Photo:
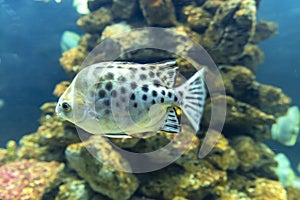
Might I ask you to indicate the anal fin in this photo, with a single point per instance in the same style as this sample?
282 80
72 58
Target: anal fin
171 124
117 136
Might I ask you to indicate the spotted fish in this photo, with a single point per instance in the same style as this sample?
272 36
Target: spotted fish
120 99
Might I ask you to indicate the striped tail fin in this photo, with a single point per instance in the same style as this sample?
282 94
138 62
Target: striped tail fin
193 94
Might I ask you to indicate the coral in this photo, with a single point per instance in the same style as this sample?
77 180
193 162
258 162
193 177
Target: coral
102 178
59 89
286 130
284 170
9 154
72 59
28 179
96 21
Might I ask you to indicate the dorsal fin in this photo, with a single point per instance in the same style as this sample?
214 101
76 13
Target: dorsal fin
166 71
171 124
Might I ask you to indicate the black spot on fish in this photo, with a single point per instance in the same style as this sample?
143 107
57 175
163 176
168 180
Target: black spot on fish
123 99
135 105
110 66
163 92
156 83
119 67
144 97
143 77
145 88
169 94
109 76
102 94
133 85
122 79
132 97
175 99
108 86
106 102
106 112
153 101
117 104
114 93
154 93
162 100
143 68
152 67
123 90
151 74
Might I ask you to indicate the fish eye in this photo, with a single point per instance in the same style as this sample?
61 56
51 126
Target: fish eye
66 106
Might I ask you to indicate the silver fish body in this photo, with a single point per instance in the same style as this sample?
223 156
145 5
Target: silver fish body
122 97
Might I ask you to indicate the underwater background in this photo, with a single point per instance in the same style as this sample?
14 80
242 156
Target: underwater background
30 49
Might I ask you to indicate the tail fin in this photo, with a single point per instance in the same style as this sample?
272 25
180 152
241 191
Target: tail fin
193 94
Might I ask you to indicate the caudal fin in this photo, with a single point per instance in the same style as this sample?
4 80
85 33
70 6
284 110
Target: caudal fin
193 94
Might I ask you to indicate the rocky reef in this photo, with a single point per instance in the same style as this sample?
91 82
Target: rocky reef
53 163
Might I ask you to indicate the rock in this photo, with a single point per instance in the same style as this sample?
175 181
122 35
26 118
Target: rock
74 190
96 4
232 28
96 21
114 29
123 9
223 156
173 181
293 193
264 189
197 18
240 83
264 30
158 12
242 118
101 177
255 157
28 179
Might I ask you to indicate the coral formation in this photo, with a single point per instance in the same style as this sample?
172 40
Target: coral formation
102 178
28 179
240 166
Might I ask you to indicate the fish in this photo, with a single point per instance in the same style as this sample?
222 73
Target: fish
121 99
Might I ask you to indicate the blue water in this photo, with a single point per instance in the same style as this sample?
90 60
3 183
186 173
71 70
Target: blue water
281 66
29 69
